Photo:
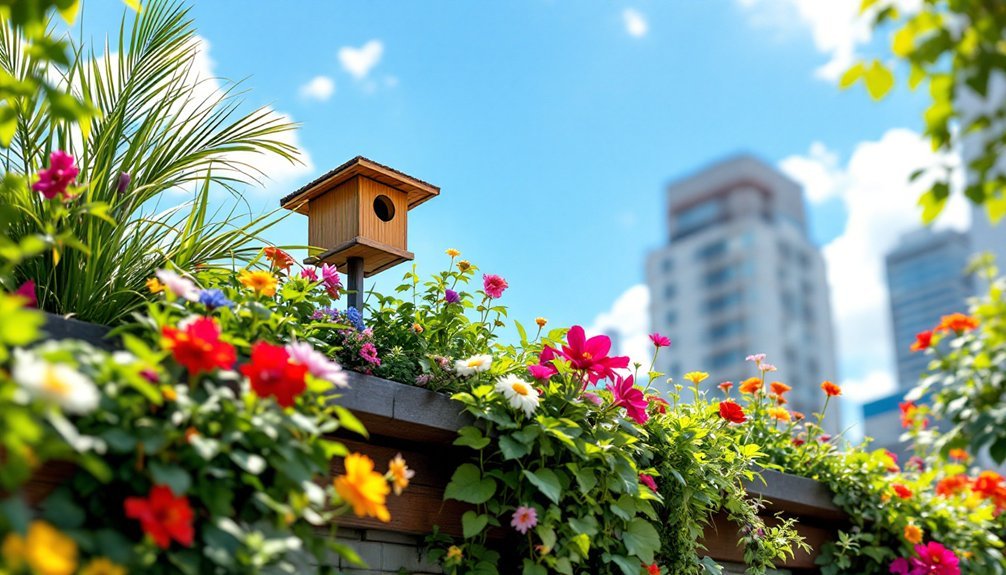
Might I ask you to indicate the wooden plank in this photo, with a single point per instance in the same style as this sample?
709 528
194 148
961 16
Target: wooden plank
722 535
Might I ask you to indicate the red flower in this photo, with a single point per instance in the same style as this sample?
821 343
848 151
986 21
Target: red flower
273 375
162 516
732 412
952 485
494 285
648 481
278 258
653 569
922 341
957 322
902 491
831 389
779 388
61 173
658 403
726 386
198 347
660 340
625 394
591 355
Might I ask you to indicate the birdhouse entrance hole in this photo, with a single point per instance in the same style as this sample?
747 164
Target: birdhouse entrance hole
384 208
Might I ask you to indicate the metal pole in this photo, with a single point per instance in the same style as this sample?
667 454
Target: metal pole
355 283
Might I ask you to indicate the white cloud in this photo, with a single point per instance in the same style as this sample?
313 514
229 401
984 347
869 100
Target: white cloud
359 61
818 172
635 22
320 88
629 321
836 26
880 202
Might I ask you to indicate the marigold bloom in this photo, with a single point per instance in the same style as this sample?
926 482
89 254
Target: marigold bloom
540 321
913 534
902 490
102 566
400 474
278 258
163 516
452 252
524 519
751 385
660 340
273 374
696 377
648 481
363 488
957 322
831 389
44 550
261 282
494 285
154 286
60 174
779 413
779 388
922 341
732 412
198 347
952 485
959 454
625 394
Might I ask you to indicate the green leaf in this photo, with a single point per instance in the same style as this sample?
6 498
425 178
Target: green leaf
932 202
641 539
879 80
628 565
468 485
511 448
8 124
547 483
586 479
473 523
171 475
582 544
470 436
852 75
532 568
350 421
68 9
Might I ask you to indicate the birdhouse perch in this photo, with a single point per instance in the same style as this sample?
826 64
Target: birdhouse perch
357 218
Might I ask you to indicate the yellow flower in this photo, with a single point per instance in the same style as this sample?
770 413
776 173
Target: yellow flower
155 286
540 321
454 553
453 252
362 488
169 393
696 377
779 413
400 474
102 566
913 534
44 550
464 265
260 281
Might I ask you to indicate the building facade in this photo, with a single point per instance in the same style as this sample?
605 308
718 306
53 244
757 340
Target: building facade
739 275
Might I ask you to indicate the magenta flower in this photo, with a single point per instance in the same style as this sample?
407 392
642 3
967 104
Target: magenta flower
660 340
310 274
626 395
524 519
592 397
123 184
330 277
61 173
648 481
933 559
369 353
544 370
590 356
452 296
27 291
494 285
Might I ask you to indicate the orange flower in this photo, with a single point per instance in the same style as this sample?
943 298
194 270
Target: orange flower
540 321
779 388
799 416
959 454
913 534
901 491
751 385
363 488
831 389
400 474
922 341
952 485
957 322
452 252
779 413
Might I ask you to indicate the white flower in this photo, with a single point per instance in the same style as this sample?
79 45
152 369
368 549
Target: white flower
180 286
57 383
473 364
317 364
519 393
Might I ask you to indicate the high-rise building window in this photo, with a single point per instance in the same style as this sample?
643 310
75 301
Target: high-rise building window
724 302
698 216
667 265
725 330
670 291
671 317
723 359
711 251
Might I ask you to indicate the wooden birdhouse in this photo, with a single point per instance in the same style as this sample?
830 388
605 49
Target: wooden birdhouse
357 217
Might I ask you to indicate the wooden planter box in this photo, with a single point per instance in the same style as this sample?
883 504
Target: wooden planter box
422 425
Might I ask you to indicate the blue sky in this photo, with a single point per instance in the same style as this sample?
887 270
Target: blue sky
553 126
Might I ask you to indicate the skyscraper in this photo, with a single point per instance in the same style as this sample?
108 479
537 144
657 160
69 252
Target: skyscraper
925 279
739 275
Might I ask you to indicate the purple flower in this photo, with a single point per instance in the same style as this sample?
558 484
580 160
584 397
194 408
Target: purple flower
214 298
123 184
452 296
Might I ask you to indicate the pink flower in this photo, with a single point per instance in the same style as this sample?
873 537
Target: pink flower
310 274
369 353
756 357
62 172
524 518
544 370
767 367
330 277
660 340
933 559
317 364
27 291
592 397
648 481
626 395
591 355
494 285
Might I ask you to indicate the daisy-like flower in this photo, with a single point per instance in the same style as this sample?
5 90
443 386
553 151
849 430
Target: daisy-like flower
779 413
767 367
756 357
180 286
363 488
317 364
400 474
474 364
154 286
519 393
696 377
56 383
540 321
259 281
452 252
524 519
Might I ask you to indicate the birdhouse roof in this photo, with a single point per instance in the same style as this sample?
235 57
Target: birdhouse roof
417 190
